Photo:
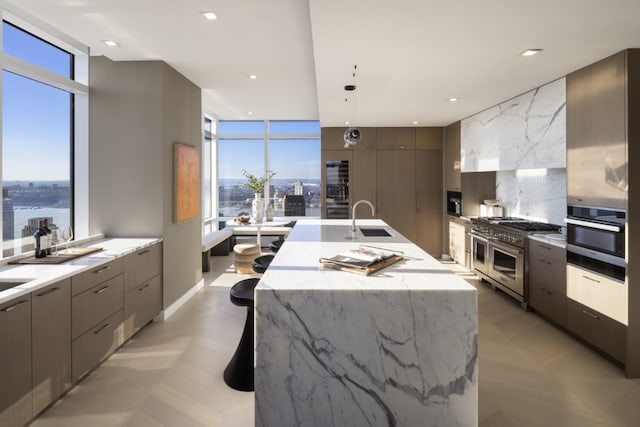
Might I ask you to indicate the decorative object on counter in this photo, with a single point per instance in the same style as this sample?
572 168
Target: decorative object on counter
256 185
364 260
66 233
67 255
491 202
42 236
243 218
186 182
269 212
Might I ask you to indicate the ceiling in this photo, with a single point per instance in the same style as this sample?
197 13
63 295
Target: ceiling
411 55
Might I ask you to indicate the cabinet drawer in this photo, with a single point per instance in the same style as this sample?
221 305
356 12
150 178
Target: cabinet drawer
96 304
597 329
93 347
550 274
141 304
89 279
599 292
142 265
538 249
548 302
51 342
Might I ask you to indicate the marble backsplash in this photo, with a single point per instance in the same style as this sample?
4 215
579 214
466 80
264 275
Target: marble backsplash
539 194
526 132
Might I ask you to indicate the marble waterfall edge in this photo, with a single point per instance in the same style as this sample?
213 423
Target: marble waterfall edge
400 358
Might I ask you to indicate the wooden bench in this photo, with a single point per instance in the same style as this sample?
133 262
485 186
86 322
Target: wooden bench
215 243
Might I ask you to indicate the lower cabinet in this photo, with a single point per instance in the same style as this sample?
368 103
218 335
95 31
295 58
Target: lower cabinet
16 407
94 346
457 242
141 304
597 329
51 341
547 281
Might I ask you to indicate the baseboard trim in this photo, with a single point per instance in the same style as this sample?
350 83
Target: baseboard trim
169 311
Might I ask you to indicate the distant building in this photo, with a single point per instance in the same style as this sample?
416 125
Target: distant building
298 188
7 223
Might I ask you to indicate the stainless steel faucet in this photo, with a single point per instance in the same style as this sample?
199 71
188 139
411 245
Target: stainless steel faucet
353 212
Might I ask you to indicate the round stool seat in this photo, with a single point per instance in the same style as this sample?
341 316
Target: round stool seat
243 255
242 292
261 263
276 245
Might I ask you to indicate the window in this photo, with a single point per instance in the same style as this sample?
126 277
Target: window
289 148
37 141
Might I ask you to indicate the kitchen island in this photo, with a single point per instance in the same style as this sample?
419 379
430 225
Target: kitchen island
335 348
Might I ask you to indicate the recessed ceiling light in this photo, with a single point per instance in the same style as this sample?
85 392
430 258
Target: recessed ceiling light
531 52
253 76
347 122
211 16
415 122
250 113
110 43
454 99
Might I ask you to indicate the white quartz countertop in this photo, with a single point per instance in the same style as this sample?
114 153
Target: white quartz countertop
555 239
37 276
297 266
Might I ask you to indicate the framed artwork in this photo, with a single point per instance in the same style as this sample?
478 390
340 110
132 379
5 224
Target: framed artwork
186 181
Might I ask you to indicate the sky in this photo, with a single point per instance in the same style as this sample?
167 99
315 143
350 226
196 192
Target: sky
36 118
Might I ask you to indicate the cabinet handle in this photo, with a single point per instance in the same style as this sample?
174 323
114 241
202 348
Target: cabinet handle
101 290
146 251
544 246
591 278
144 287
14 306
544 261
593 316
103 269
102 328
48 291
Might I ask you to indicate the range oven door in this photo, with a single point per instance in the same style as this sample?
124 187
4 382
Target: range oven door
480 254
506 265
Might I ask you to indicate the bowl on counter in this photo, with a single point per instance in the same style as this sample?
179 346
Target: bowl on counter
491 202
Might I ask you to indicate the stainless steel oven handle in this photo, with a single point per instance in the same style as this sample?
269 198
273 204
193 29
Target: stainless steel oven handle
507 249
597 225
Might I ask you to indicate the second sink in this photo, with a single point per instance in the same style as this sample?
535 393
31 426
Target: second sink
375 232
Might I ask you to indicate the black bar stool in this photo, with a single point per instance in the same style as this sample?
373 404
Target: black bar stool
239 372
275 245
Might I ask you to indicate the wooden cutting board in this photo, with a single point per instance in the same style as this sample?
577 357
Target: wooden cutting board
64 255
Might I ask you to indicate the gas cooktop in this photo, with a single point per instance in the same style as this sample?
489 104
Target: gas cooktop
525 225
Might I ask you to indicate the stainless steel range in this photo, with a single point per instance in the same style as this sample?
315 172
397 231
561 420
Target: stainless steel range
499 252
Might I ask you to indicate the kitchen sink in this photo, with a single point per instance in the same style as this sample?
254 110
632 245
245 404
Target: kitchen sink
375 232
12 283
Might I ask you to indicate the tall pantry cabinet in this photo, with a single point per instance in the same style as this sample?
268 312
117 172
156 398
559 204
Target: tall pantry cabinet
399 170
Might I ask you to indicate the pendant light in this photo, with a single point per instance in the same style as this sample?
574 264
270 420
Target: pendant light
352 135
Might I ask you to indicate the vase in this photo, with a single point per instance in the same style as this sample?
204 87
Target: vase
257 207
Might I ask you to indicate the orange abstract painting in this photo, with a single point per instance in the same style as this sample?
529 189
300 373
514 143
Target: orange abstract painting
186 182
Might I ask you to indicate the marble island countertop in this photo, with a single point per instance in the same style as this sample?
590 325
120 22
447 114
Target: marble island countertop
397 347
37 276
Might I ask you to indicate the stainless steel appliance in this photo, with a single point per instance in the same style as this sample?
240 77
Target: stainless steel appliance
596 240
499 252
454 203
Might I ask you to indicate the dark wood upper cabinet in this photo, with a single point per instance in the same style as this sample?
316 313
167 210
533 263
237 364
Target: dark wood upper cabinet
452 177
597 134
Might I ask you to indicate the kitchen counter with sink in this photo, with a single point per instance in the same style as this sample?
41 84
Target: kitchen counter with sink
31 277
397 347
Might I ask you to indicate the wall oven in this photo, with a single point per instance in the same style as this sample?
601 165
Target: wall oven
596 240
480 254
